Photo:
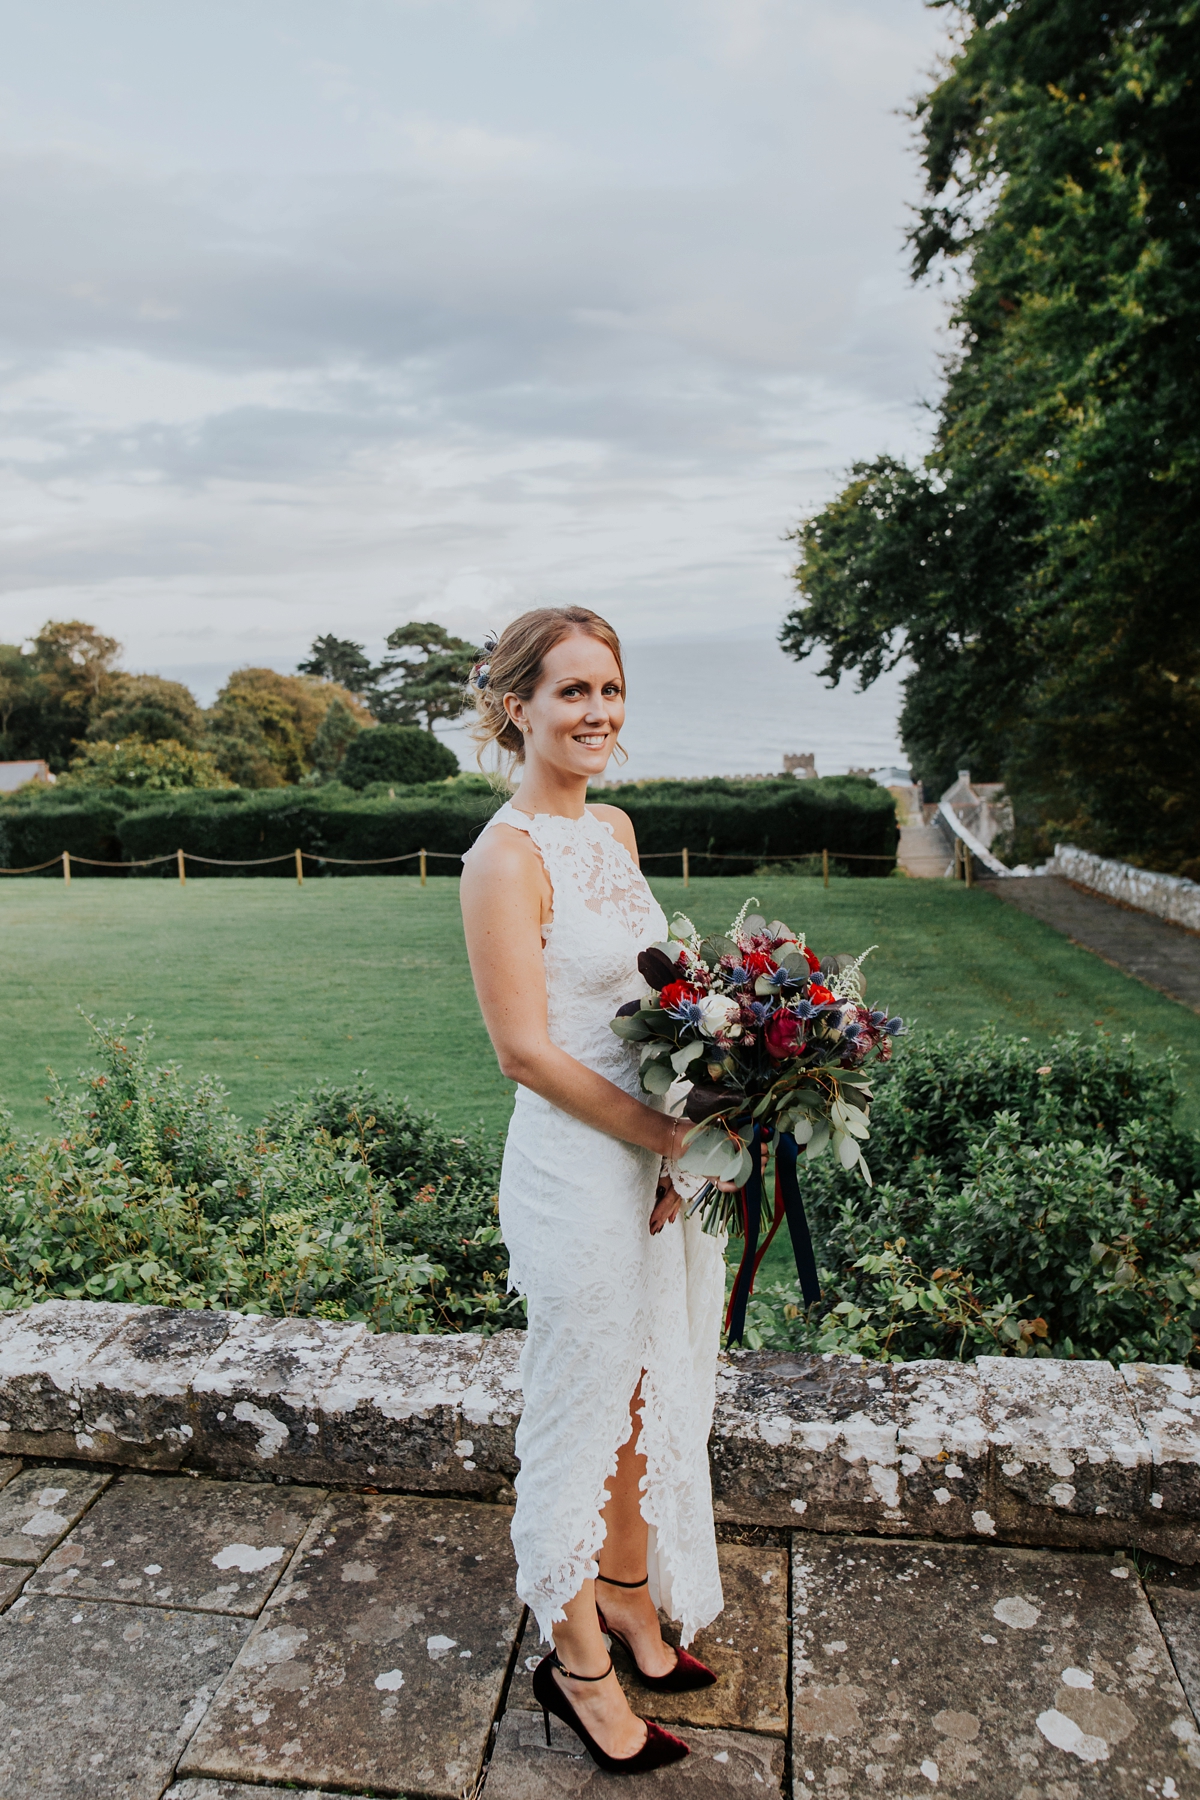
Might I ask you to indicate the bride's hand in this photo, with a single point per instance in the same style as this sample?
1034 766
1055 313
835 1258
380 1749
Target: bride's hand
666 1206
668 1203
731 1187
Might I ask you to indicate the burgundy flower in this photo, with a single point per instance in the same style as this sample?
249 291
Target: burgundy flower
782 1036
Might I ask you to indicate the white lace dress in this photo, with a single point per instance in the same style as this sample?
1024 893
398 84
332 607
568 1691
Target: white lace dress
605 1299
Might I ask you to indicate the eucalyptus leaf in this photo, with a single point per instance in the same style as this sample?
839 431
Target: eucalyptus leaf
657 1077
847 1152
712 949
634 1030
819 1141
681 927
686 1053
711 1152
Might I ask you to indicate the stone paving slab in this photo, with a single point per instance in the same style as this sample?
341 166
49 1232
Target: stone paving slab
999 1674
13 1577
380 1660
40 1505
98 1700
721 1763
1178 1613
176 1540
746 1647
237 1790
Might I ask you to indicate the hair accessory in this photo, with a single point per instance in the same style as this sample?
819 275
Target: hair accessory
483 668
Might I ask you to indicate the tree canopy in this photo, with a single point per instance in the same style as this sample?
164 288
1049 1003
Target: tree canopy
1040 568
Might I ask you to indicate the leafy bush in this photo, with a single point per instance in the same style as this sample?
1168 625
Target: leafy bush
403 754
748 820
162 766
151 1192
1022 1205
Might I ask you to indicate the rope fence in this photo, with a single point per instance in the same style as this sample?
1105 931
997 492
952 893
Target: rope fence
181 858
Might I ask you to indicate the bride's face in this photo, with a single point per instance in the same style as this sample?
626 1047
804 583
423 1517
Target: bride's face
575 713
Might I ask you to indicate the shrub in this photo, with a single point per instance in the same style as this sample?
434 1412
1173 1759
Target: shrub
403 754
151 1191
1034 1206
161 767
748 820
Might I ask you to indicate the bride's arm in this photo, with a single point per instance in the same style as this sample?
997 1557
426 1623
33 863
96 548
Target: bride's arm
502 893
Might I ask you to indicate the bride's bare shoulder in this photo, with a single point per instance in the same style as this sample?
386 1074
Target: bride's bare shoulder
503 850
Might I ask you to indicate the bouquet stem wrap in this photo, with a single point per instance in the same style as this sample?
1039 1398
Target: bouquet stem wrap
789 1205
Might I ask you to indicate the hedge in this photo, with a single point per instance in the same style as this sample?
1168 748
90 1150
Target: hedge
727 826
847 815
328 822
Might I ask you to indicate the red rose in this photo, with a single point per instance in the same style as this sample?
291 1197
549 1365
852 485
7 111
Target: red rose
676 992
782 1035
758 962
820 996
813 961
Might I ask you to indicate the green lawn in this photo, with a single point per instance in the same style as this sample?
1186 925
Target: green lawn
272 987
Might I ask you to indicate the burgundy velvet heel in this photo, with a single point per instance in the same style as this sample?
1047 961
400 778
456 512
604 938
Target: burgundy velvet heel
687 1675
659 1748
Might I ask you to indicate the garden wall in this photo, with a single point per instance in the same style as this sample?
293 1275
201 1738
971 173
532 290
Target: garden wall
1018 1450
1172 897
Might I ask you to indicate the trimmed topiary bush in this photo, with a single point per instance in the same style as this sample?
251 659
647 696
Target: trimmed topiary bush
403 754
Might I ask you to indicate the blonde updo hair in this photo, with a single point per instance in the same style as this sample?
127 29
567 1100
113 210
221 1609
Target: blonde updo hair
514 664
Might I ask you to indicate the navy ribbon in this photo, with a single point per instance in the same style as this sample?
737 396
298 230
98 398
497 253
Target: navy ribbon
789 1205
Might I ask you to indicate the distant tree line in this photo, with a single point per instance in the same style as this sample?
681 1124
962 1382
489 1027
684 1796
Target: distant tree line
64 700
1040 569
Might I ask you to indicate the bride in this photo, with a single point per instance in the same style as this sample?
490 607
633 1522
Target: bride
624 1295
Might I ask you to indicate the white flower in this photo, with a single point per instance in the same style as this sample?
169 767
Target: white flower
717 1013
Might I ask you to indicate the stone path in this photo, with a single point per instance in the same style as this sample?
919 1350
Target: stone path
1162 955
227 1640
924 852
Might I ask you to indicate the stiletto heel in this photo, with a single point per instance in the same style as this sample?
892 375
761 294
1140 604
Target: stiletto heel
659 1748
689 1672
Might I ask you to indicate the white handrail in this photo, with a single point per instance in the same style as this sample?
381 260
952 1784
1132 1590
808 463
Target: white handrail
990 862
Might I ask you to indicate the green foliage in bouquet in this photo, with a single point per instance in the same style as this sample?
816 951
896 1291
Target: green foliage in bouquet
1027 1203
344 1204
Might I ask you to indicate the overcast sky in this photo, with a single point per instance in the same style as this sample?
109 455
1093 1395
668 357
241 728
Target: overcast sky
319 315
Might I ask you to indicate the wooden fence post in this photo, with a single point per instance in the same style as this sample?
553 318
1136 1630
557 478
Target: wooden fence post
422 868
67 867
299 870
182 874
825 867
968 866
687 874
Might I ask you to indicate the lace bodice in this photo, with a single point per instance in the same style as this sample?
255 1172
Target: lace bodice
604 913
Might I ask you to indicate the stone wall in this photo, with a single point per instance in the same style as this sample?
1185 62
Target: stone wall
1169 896
1025 1451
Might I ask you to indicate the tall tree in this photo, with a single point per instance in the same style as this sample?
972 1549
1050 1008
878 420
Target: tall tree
1041 568
427 682
341 660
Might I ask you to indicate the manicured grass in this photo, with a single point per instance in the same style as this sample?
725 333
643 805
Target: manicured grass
272 987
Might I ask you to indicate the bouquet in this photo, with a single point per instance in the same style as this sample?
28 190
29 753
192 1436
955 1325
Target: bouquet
774 1043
